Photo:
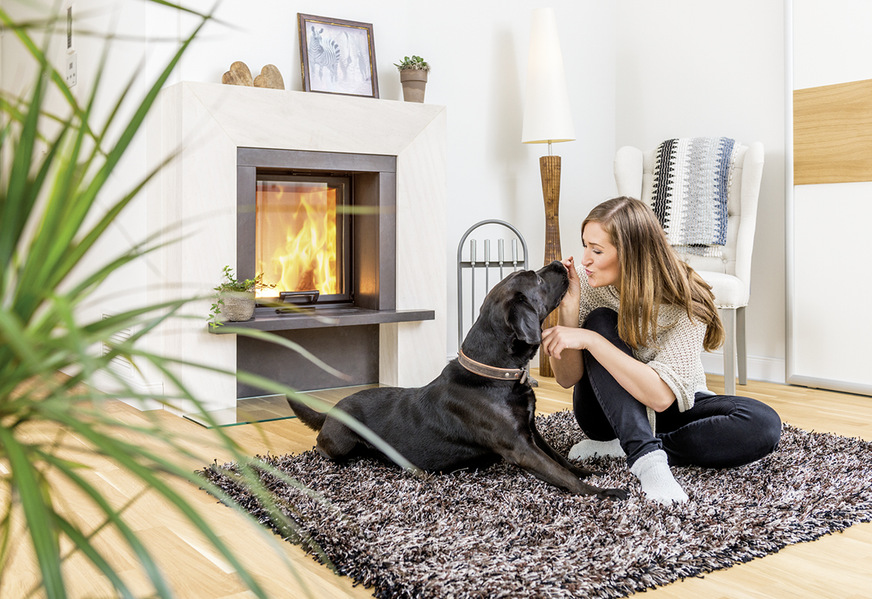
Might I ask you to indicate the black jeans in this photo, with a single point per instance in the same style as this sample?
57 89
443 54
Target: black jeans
719 431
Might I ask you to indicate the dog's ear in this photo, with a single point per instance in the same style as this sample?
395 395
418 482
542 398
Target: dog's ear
524 320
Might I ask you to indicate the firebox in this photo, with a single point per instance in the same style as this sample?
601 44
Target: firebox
321 227
303 238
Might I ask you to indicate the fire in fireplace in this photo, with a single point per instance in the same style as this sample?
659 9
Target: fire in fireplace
302 236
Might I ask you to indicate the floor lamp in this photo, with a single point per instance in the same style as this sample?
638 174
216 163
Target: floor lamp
547 119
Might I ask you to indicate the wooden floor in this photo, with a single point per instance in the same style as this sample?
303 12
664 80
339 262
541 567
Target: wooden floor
838 566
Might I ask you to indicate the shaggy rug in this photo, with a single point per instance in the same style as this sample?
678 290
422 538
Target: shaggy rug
500 532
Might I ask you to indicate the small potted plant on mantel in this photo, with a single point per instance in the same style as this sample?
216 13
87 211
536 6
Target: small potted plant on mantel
235 300
413 76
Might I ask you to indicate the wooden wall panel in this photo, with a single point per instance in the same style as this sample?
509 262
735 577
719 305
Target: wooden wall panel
832 133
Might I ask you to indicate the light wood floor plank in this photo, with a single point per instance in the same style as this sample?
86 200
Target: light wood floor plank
835 566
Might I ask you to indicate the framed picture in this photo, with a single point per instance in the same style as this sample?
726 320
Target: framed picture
338 57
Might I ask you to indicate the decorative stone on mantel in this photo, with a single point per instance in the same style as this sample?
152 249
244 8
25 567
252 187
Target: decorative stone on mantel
206 124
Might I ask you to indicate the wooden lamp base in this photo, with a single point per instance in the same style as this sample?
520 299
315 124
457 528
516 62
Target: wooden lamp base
549 167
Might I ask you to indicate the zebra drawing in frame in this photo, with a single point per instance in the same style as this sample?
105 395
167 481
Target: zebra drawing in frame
324 55
338 56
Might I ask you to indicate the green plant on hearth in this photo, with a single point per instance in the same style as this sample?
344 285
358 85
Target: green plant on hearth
415 63
231 283
232 286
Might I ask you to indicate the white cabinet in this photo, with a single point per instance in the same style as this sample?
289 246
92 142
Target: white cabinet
829 194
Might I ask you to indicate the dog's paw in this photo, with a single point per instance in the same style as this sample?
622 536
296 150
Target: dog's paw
585 472
613 494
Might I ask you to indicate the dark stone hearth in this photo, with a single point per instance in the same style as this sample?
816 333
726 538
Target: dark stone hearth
266 319
359 363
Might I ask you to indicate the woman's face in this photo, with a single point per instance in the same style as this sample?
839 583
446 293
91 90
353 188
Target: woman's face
600 259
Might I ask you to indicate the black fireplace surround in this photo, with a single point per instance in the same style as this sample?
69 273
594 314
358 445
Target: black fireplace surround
344 335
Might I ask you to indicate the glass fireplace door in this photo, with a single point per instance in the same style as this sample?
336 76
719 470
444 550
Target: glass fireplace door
302 236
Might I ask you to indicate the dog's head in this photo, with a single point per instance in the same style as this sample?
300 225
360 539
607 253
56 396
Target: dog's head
516 307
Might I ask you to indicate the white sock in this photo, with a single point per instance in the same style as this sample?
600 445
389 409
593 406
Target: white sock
588 448
652 470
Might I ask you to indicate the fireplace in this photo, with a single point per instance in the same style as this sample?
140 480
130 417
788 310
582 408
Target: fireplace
321 227
385 320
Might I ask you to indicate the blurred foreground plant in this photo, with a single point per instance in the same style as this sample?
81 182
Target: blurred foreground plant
55 170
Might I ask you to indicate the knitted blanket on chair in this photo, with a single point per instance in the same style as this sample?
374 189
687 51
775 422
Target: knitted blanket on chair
692 178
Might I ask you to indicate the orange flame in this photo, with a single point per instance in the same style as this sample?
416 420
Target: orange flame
295 239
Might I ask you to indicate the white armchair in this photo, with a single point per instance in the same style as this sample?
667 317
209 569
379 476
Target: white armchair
730 274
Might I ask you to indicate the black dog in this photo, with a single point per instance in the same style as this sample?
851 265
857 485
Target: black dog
481 407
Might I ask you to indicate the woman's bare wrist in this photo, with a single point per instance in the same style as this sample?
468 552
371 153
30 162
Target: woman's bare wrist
567 317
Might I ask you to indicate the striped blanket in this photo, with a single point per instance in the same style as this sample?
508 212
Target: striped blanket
692 178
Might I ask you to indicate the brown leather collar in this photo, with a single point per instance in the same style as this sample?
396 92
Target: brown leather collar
492 372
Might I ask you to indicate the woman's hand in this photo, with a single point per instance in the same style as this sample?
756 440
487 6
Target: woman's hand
573 293
640 380
568 366
556 339
567 311
567 334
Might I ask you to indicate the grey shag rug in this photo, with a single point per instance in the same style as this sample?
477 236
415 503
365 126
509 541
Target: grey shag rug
500 532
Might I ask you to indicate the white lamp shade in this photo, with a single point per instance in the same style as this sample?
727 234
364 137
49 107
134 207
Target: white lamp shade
547 117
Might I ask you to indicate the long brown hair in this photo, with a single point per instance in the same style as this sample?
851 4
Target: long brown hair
652 274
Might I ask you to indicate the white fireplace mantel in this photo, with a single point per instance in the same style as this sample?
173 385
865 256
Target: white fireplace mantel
205 124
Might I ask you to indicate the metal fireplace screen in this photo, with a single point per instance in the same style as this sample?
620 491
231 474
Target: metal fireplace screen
302 237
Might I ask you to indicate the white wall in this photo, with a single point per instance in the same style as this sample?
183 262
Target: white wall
687 68
725 77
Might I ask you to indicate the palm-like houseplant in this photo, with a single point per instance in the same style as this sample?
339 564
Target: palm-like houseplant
50 219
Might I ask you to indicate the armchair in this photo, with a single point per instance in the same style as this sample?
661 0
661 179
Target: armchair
730 273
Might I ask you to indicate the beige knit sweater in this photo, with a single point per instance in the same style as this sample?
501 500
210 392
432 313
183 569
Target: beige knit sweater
675 353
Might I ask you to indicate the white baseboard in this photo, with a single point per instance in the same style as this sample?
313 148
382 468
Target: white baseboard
110 386
107 384
770 370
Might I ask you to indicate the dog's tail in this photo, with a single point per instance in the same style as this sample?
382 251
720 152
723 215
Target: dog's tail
311 418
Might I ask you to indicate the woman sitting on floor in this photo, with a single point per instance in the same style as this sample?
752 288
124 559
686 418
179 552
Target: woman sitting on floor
630 335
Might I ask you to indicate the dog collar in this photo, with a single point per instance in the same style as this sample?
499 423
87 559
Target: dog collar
492 372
